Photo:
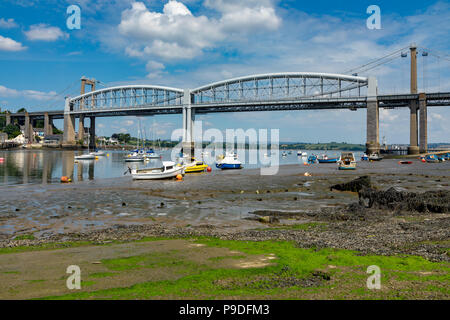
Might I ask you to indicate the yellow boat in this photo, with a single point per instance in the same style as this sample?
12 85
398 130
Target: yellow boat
196 166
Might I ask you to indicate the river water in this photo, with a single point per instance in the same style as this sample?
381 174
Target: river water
47 166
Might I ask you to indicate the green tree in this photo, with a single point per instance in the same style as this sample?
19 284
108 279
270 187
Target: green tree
22 110
12 131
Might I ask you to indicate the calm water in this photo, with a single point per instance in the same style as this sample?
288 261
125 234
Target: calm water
47 166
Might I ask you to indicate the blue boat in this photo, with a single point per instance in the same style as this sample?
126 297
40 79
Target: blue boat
325 159
432 158
312 159
230 161
364 157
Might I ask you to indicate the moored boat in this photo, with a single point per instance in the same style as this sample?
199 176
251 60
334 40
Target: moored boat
347 161
168 169
375 157
312 159
230 161
87 156
325 159
364 157
194 166
432 158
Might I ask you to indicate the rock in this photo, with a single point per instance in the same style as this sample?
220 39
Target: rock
353 186
268 219
398 201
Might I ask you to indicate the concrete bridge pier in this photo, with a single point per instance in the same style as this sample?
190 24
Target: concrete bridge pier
8 119
188 123
81 128
69 127
48 124
413 129
92 134
373 118
28 129
423 135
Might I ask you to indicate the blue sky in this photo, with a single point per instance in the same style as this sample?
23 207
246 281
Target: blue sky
194 42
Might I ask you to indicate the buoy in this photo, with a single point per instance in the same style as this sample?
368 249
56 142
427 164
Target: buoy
305 163
423 160
64 179
179 177
307 174
107 154
209 169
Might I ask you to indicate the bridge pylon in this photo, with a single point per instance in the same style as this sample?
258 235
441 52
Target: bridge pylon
373 118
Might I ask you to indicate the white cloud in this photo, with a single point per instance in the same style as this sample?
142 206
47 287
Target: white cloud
27 94
8 44
44 32
8 23
178 34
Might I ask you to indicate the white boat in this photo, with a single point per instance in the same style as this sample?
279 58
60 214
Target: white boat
230 161
98 153
375 157
347 161
87 156
169 169
134 157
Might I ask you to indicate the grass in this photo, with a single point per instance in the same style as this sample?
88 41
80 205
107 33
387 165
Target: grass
25 237
293 264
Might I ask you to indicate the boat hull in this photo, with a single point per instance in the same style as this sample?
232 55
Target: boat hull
335 160
194 169
156 175
227 166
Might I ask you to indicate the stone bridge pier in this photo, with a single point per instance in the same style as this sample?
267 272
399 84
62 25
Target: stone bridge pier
373 118
188 123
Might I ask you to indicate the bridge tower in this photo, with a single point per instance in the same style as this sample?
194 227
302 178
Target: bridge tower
188 123
90 82
373 117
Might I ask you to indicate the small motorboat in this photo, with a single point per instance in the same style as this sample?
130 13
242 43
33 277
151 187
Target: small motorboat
375 157
167 170
325 159
432 158
150 154
347 161
230 161
284 154
194 166
134 157
405 162
312 159
98 153
364 157
86 156
289 152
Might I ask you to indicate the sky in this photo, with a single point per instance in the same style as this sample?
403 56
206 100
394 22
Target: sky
186 44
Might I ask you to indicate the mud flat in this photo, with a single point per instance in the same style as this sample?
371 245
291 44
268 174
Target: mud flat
389 211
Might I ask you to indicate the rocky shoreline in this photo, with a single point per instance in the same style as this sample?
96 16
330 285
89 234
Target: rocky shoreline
373 214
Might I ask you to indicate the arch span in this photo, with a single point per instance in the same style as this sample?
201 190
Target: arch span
279 86
124 97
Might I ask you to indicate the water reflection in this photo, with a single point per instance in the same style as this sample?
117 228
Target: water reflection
48 166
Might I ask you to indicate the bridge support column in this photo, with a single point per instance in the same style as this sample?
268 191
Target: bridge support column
423 136
28 129
81 128
188 127
373 118
92 134
48 125
69 126
8 119
413 129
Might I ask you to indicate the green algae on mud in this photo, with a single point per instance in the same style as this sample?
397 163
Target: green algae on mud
296 273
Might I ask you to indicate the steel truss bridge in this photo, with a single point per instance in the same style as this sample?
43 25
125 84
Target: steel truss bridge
264 92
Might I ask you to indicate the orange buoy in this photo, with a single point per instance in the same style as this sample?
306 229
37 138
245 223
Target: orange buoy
64 179
179 177
209 169
423 160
